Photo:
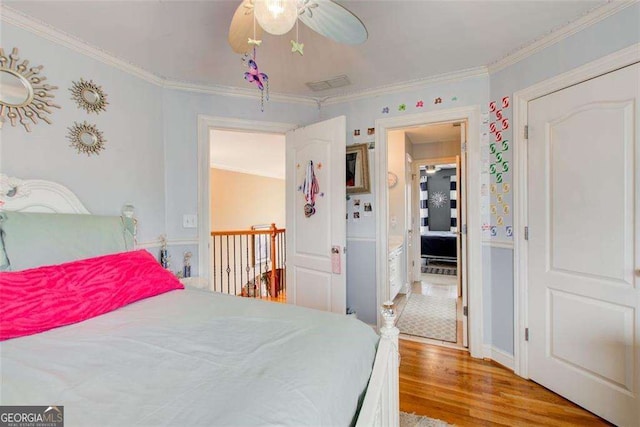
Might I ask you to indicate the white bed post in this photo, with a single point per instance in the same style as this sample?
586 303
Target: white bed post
381 405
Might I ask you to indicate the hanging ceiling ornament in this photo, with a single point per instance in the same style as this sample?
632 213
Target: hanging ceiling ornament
279 16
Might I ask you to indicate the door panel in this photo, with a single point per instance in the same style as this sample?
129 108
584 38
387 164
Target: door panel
461 164
311 279
310 233
583 209
581 180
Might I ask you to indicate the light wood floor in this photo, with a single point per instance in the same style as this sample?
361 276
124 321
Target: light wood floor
449 385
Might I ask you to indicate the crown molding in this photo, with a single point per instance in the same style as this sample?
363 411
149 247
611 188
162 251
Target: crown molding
561 33
407 86
46 31
237 92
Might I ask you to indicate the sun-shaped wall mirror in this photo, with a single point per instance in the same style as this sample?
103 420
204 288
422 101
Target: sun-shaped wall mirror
89 96
86 138
24 98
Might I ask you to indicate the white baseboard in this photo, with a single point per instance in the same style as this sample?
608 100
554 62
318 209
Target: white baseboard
405 289
499 356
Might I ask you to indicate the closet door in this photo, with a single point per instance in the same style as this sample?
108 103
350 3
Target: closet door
583 205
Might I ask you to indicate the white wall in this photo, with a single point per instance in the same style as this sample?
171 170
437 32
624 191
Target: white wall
131 169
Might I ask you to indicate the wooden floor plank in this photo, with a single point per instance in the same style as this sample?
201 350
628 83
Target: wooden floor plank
449 385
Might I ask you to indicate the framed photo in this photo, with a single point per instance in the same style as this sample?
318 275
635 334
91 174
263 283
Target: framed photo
358 169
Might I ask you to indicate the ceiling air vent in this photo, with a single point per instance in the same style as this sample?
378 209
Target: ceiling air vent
332 83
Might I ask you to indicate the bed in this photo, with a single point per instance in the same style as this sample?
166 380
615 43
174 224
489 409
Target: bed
194 357
439 246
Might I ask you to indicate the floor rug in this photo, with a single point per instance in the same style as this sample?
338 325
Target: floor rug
413 420
429 317
446 270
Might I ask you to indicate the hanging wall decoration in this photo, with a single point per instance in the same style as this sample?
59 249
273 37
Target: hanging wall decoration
438 199
310 188
86 138
24 98
89 96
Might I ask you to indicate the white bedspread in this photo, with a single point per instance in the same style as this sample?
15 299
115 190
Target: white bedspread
193 358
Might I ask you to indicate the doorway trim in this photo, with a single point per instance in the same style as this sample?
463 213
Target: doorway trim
205 125
474 249
521 98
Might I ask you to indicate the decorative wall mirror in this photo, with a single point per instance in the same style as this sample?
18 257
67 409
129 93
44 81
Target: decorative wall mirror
86 138
23 96
89 96
357 169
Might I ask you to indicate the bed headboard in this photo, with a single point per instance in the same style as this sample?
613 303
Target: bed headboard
32 234
36 195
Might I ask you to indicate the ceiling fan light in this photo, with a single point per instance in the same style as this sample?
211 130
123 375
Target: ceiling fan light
276 16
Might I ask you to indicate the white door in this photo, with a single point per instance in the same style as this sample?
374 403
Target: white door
583 204
409 218
316 259
461 165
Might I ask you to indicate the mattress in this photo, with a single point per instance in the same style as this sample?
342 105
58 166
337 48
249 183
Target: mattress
195 358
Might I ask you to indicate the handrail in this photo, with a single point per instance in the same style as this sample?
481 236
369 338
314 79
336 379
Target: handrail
245 232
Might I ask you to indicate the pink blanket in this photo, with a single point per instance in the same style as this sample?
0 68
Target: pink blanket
43 298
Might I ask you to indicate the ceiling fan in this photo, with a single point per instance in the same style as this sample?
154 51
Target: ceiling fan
278 17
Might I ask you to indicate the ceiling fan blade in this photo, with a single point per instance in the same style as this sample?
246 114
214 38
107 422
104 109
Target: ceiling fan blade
334 21
241 28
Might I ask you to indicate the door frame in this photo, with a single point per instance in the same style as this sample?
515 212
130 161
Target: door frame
521 100
474 238
205 125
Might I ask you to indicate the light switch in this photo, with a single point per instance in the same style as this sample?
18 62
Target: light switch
189 221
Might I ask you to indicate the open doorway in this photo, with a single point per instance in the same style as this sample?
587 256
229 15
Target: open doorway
432 304
247 214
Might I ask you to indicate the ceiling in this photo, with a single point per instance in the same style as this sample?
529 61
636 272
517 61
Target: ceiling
445 132
229 148
186 40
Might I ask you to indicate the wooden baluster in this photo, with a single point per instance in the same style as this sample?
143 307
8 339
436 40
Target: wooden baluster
274 286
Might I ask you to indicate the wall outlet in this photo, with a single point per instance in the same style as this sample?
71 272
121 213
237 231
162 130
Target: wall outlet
189 221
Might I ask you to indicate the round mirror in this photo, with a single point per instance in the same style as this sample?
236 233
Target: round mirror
15 90
87 138
90 96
